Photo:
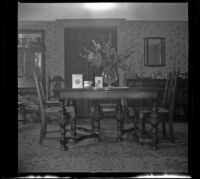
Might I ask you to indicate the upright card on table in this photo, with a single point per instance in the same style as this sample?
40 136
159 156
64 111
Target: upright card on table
98 81
77 80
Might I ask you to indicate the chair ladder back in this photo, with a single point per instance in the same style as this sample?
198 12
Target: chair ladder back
49 86
42 92
166 90
40 98
57 80
171 89
174 90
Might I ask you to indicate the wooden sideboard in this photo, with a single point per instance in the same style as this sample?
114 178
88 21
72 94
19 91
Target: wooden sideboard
182 92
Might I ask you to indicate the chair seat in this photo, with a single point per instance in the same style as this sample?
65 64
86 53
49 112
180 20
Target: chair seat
71 110
148 110
21 103
57 108
52 109
108 105
131 111
32 107
106 108
52 103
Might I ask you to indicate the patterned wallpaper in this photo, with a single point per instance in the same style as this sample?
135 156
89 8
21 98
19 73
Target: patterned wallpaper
53 63
176 44
130 34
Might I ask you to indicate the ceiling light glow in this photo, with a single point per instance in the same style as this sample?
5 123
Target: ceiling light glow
99 6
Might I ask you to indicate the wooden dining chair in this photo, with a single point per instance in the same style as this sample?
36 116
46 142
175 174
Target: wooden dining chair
165 111
48 110
21 112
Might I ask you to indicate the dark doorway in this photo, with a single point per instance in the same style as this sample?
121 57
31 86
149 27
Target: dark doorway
75 39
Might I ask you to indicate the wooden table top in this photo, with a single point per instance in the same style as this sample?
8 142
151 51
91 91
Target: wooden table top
108 93
109 89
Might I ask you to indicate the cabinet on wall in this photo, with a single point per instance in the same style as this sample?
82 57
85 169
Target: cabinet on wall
181 97
31 57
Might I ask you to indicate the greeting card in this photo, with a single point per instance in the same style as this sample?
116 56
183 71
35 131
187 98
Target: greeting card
77 81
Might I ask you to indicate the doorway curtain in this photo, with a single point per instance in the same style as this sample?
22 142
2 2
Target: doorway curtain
75 39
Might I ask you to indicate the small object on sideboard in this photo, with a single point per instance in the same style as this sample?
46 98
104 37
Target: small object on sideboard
153 76
166 75
88 84
159 75
98 81
183 75
77 80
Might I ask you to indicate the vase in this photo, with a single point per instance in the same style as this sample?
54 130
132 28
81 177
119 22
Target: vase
110 75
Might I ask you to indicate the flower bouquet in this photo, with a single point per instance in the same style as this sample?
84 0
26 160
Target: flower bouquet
106 57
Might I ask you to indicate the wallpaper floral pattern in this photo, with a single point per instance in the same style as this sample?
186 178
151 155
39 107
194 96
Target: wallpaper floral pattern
51 51
176 44
131 34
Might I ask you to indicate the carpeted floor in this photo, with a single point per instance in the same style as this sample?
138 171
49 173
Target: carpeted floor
105 156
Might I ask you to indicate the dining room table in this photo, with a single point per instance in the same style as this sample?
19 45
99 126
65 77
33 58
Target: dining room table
120 94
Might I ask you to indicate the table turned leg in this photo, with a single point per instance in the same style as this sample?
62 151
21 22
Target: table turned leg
97 119
140 131
93 121
23 110
74 134
119 118
154 123
63 121
73 121
124 117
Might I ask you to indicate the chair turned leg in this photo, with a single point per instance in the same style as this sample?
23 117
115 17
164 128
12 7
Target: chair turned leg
141 128
92 121
119 118
72 119
73 128
97 119
24 115
134 122
43 129
171 129
38 116
164 129
135 125
154 124
143 125
41 137
63 120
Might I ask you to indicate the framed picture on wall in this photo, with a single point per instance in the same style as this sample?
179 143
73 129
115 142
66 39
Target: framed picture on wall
154 51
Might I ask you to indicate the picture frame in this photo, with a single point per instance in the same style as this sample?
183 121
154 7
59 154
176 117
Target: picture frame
154 51
77 80
98 81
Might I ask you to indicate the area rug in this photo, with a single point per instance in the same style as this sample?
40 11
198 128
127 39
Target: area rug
108 155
